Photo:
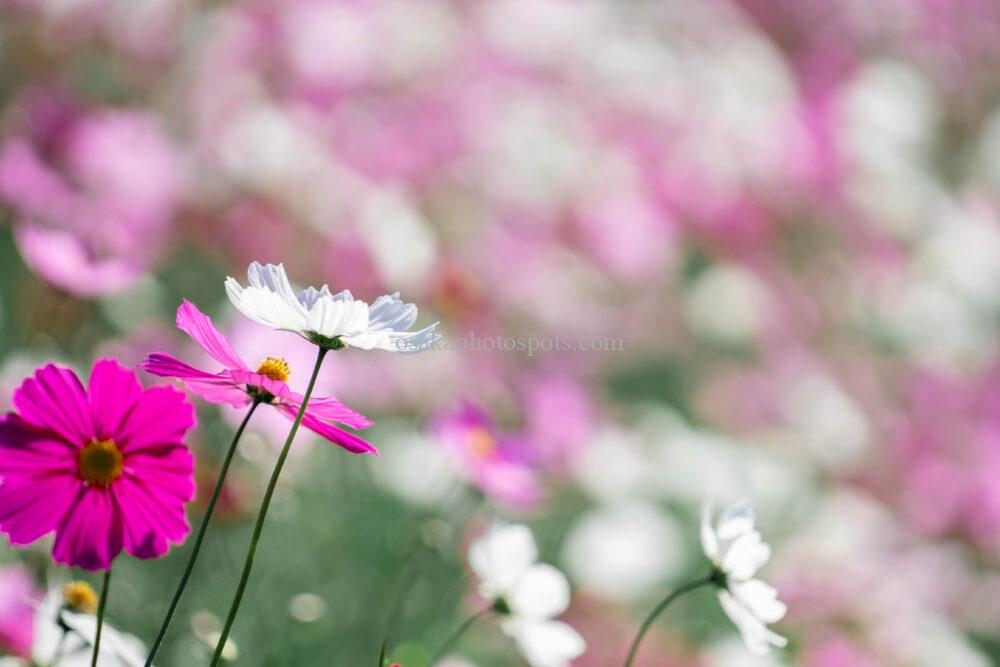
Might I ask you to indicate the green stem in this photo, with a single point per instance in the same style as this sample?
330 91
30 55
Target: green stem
455 636
676 593
262 515
100 616
201 534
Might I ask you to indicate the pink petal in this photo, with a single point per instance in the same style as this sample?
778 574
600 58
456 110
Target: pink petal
31 507
161 417
151 496
330 409
215 388
26 451
113 390
199 326
337 436
54 399
276 388
91 534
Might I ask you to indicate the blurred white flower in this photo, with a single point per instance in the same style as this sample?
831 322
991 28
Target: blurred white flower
325 318
75 650
621 552
731 653
729 304
737 551
527 595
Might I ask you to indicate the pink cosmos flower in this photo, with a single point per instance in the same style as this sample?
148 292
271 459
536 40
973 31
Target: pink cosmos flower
104 466
496 463
237 385
17 614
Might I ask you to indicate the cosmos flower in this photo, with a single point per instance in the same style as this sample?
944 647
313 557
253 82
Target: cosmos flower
237 385
332 320
526 594
16 594
737 552
103 466
493 462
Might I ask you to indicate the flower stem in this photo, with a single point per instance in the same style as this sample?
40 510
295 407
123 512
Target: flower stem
201 534
457 634
262 515
676 593
100 616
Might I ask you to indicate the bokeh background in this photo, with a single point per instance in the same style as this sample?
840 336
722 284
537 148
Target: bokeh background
761 240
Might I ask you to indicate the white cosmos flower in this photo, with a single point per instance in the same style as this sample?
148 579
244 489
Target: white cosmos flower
528 595
118 649
737 551
320 316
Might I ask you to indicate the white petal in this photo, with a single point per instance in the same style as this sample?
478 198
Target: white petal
760 598
546 643
337 318
709 541
757 637
117 648
389 313
735 521
501 556
413 342
310 295
541 592
745 556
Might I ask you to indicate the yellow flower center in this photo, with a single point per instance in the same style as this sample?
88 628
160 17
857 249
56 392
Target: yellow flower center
275 369
78 596
481 443
100 462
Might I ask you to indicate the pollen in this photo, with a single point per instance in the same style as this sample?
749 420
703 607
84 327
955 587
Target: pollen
100 462
275 368
481 443
78 596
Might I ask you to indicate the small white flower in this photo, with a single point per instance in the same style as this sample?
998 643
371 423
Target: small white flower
737 551
527 594
322 317
118 649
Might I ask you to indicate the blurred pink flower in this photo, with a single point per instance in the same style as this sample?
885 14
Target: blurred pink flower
17 614
560 417
494 462
836 652
94 193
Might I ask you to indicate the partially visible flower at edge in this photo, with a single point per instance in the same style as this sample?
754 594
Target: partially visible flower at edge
104 466
330 320
237 385
17 591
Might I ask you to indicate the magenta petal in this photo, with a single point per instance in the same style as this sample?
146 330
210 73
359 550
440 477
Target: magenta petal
151 524
330 409
213 387
25 451
31 507
91 534
54 399
161 417
337 436
276 388
113 390
199 326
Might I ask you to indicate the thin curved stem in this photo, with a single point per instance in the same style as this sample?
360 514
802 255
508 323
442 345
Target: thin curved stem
676 593
457 634
201 534
262 514
100 616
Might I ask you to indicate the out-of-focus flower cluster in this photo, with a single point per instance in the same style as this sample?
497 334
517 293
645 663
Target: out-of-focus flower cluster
753 246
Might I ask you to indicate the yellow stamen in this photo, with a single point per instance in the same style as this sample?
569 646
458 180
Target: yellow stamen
100 462
276 369
78 596
481 443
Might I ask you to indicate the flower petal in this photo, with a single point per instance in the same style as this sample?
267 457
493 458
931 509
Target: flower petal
151 498
709 540
330 409
199 326
541 592
31 507
90 535
501 556
213 387
161 417
757 637
337 436
337 318
735 520
745 556
114 390
546 643
54 399
760 598
389 313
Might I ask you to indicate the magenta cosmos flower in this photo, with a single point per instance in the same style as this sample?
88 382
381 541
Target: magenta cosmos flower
104 466
496 463
237 385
